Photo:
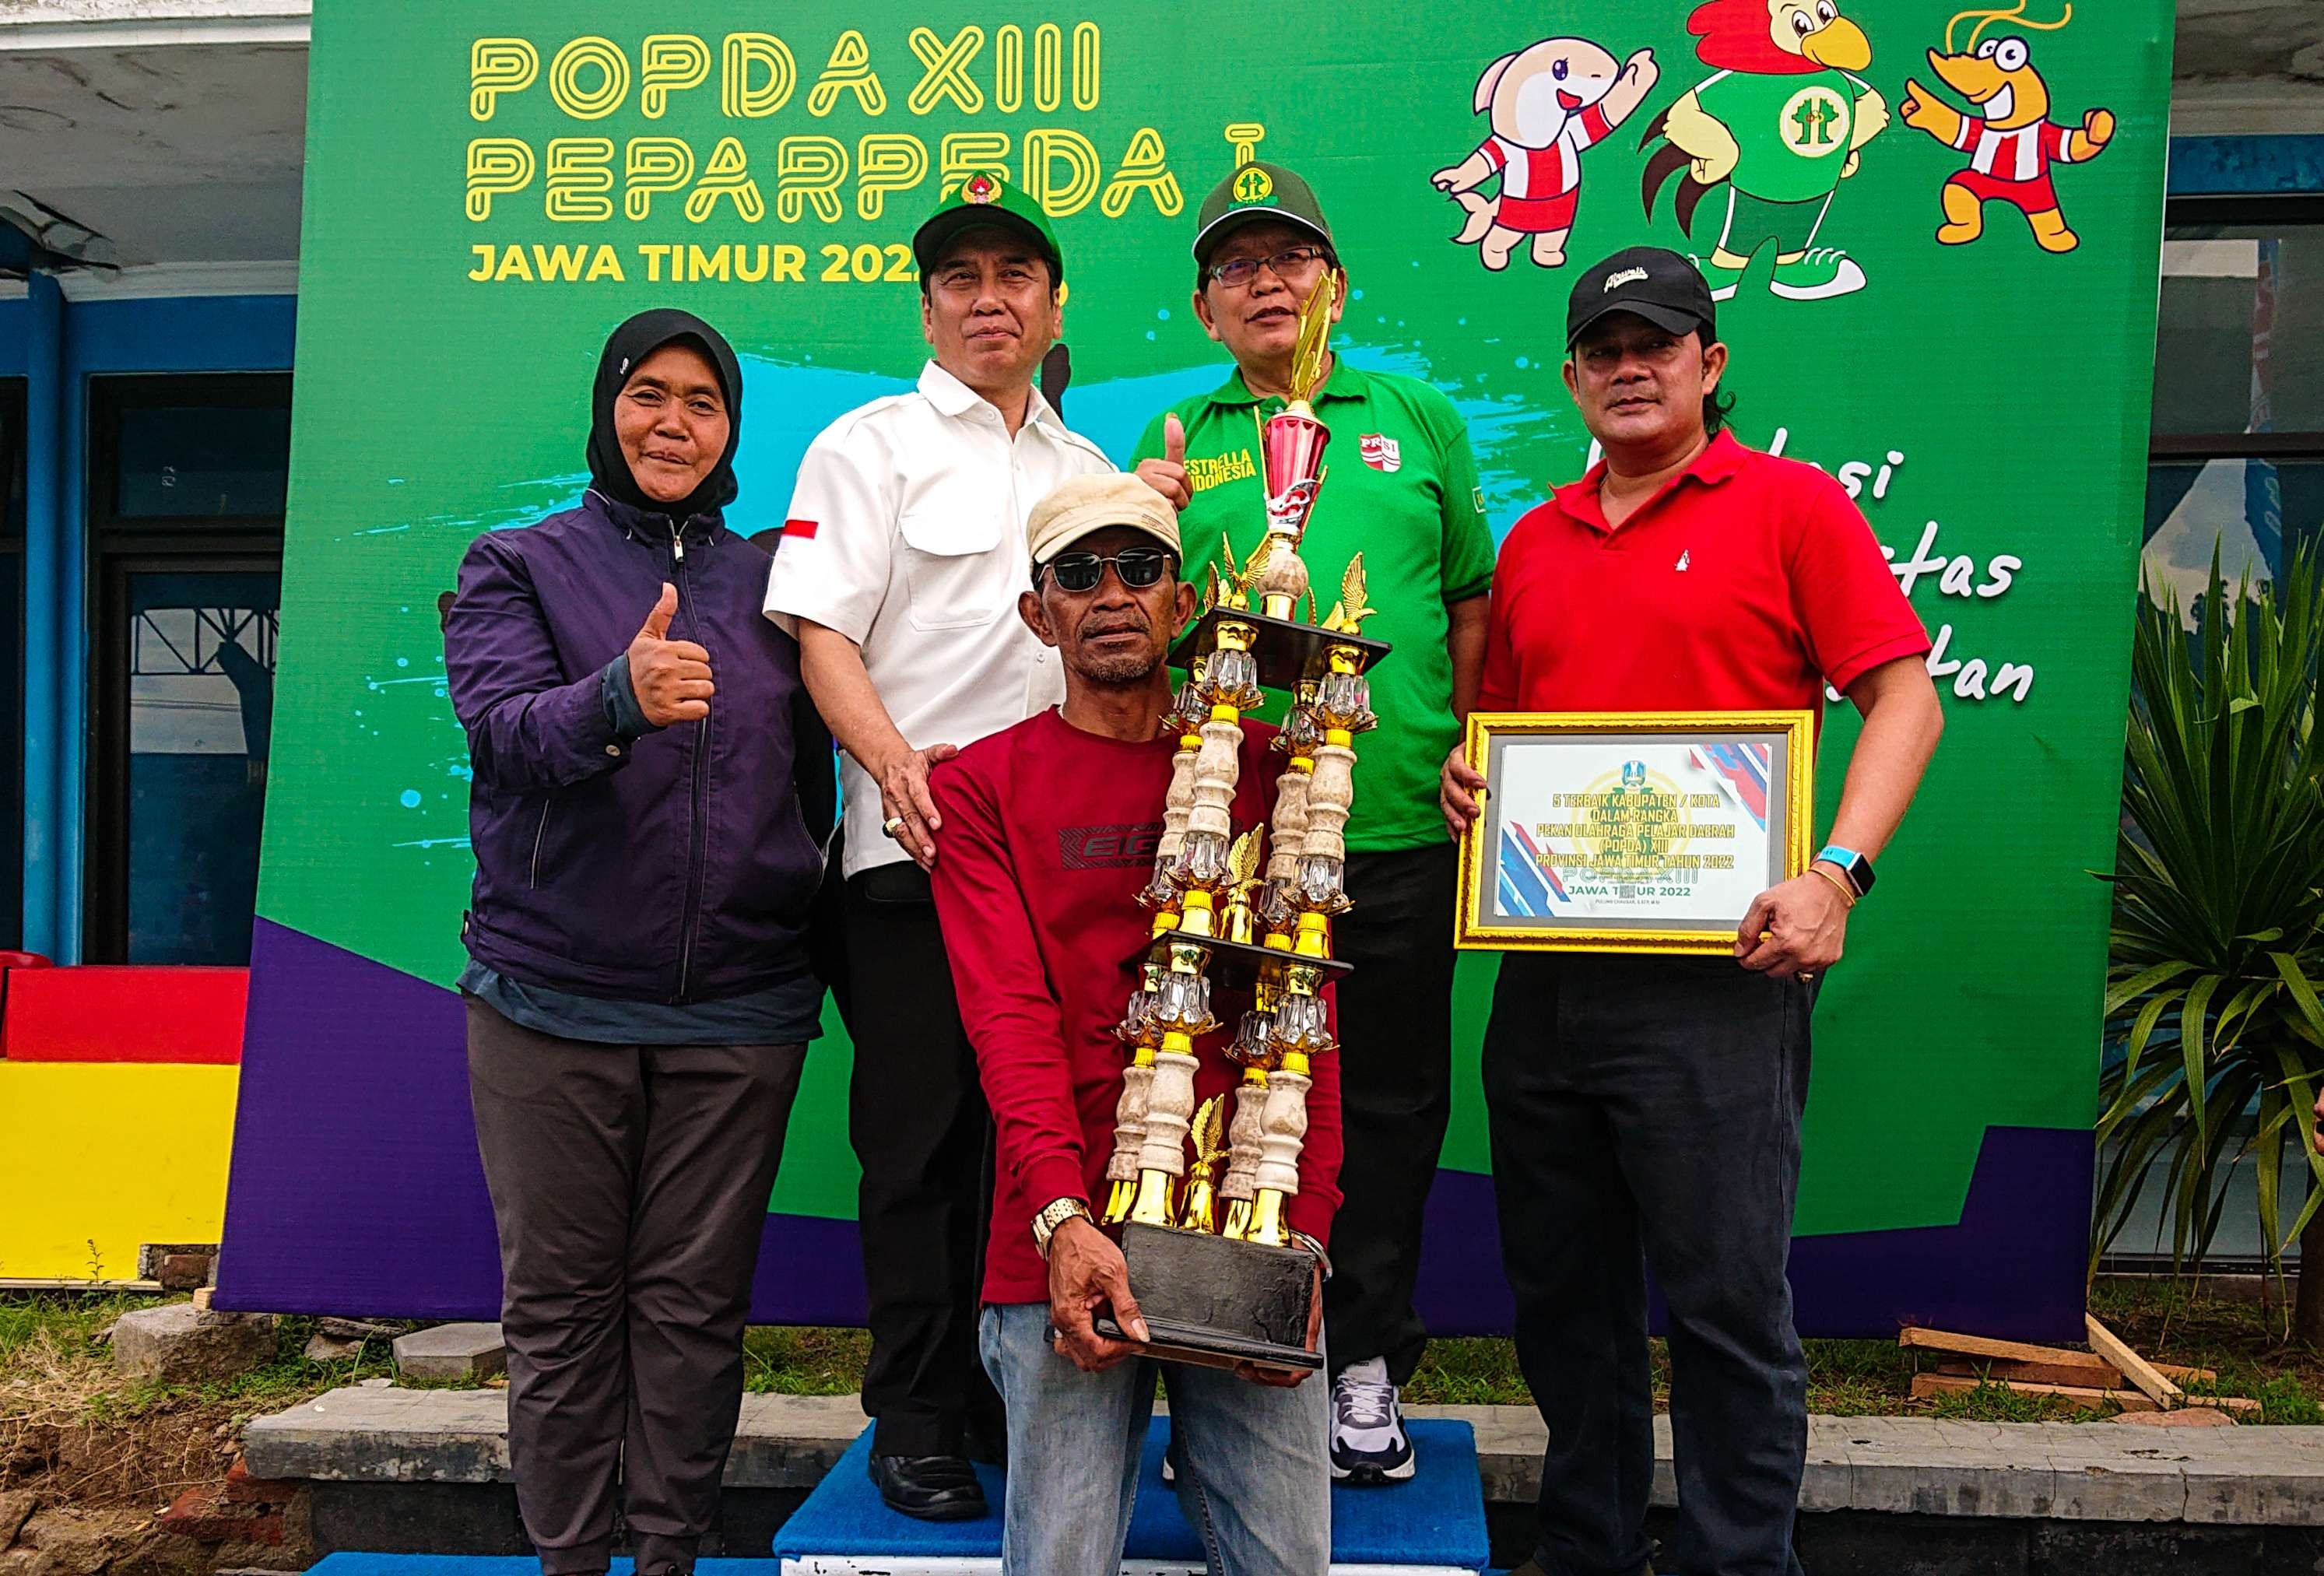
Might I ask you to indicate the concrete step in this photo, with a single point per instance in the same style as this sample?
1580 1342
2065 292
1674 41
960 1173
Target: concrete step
2250 1477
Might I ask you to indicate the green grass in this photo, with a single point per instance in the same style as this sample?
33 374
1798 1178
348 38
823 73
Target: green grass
804 1361
49 1348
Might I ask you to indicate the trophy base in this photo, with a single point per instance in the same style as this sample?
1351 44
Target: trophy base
1287 651
1215 1302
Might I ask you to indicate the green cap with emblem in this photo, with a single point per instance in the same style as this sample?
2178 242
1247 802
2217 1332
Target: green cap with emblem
984 198
1258 190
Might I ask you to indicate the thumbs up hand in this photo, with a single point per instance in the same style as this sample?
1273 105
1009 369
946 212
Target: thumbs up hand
1167 476
670 678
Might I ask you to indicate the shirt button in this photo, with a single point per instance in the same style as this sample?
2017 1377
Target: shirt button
613 749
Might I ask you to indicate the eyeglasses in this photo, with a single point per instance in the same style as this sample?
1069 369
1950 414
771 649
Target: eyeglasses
1292 261
1138 567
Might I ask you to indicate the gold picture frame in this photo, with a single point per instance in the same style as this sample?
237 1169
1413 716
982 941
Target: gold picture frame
1636 884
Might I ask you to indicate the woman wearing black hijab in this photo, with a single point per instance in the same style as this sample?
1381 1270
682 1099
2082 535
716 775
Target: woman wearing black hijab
651 786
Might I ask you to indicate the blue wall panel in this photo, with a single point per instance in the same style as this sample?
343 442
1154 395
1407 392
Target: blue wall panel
178 334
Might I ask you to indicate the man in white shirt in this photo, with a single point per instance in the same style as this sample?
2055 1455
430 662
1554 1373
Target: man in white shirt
901 559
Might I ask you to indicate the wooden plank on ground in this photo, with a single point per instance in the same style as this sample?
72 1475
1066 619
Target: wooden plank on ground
1928 1387
2135 1367
1945 1341
2101 1376
2185 1376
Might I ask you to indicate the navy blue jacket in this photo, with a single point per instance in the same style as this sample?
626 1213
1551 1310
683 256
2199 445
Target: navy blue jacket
679 867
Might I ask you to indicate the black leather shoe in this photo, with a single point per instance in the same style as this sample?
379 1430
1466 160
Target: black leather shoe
929 1487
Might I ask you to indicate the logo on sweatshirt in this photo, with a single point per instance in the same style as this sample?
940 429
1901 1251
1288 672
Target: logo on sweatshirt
1107 847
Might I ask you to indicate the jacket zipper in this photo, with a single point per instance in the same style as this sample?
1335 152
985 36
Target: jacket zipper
541 835
699 854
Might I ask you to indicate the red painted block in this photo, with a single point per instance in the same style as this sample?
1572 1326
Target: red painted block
96 1013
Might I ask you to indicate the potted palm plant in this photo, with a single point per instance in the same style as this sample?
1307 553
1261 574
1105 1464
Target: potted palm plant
2218 952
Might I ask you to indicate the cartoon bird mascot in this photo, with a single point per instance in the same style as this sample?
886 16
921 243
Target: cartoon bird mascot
2011 142
1778 125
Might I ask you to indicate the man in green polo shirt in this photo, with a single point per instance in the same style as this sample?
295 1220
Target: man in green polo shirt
1403 492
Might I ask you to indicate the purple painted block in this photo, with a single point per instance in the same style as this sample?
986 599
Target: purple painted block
2012 1266
355 1190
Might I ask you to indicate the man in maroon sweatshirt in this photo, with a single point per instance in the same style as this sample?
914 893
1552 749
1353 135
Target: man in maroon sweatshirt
1047 831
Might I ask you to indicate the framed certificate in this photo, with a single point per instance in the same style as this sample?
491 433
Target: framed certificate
1631 832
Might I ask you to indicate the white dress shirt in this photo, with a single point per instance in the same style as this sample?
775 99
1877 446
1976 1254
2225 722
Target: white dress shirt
905 533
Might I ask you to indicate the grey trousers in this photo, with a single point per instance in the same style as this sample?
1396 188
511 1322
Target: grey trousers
630 1186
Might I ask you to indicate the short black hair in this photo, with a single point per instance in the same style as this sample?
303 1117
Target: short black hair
1719 404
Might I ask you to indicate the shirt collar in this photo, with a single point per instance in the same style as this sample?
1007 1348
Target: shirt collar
953 398
1720 459
1346 382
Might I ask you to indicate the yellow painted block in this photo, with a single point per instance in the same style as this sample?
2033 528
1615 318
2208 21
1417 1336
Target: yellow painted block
111 1154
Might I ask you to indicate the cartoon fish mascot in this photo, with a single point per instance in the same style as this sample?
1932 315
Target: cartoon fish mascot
1778 126
2010 141
1548 102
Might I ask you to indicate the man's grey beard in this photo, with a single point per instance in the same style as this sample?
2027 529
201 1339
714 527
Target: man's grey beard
1122 672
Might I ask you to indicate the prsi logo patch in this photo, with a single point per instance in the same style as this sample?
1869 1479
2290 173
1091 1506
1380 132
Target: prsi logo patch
1379 452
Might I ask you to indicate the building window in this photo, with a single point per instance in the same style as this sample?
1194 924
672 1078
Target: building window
2236 459
187 482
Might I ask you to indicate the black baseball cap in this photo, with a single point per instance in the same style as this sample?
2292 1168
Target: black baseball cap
1657 284
1258 190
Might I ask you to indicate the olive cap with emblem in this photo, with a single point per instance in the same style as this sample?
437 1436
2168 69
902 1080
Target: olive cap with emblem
984 198
1081 506
1258 190
1657 284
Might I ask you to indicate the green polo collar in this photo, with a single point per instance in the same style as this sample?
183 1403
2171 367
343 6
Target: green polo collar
1346 382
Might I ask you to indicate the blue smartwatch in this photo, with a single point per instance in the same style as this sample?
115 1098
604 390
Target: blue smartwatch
1852 864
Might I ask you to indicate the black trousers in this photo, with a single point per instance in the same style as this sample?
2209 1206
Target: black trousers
630 1186
916 1117
1645 1113
1395 1095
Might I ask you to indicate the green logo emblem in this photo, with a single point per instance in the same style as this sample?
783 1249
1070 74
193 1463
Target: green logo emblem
1253 185
1814 122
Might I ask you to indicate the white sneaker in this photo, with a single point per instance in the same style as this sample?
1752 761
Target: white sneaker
1368 1444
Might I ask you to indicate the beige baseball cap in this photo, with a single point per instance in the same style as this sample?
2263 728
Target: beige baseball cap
1084 504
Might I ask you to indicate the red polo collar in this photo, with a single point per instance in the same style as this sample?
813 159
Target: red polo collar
1720 459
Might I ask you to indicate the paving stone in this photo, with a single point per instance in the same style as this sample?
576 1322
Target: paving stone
1948 1472
452 1351
360 1434
178 1343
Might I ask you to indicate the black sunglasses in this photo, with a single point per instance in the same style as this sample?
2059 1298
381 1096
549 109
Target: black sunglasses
1138 567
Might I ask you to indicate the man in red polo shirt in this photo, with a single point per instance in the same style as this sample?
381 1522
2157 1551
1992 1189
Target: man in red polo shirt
1646 1111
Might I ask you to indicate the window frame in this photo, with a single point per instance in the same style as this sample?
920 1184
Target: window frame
119 546
111 394
2256 212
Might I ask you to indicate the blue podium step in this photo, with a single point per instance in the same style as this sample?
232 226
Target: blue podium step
1432 1525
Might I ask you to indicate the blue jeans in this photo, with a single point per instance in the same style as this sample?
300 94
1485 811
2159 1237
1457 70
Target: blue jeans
1254 1462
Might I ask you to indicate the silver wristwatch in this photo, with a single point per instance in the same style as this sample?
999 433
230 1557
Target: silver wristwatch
1055 1214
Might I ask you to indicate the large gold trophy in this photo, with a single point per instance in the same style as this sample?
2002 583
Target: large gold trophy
1206 1237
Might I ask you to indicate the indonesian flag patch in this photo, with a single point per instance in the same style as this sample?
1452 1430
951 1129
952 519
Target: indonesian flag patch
1379 451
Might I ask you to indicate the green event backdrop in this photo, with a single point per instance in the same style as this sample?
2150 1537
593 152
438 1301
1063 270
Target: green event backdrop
1989 401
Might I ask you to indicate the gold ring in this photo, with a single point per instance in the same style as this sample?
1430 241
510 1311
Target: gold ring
892 824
